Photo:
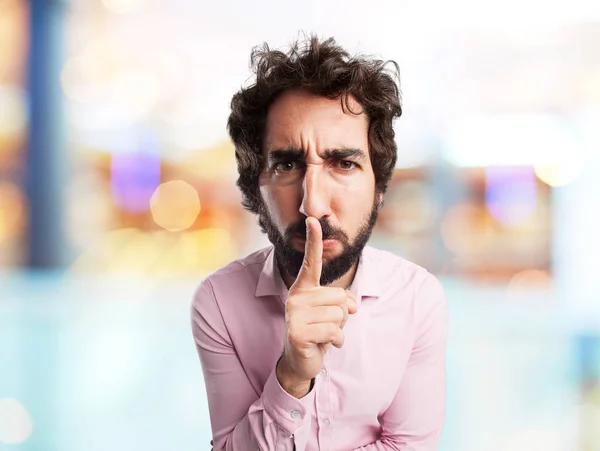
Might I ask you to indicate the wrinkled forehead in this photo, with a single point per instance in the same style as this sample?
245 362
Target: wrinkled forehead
300 119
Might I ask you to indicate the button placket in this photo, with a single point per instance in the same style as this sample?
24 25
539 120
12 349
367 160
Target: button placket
324 406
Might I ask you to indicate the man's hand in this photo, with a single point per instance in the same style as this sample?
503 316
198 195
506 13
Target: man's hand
315 317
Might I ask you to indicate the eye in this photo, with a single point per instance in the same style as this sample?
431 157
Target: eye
347 165
285 166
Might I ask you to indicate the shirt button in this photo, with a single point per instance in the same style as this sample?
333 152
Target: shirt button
326 422
323 372
296 414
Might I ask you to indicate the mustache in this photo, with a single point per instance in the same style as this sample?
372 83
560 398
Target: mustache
298 228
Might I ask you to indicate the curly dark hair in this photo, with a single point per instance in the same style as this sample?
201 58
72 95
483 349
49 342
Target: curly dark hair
323 68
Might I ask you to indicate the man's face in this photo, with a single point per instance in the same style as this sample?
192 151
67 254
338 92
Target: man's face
317 164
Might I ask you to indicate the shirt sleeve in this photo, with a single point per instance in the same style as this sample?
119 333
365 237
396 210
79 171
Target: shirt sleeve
242 419
414 420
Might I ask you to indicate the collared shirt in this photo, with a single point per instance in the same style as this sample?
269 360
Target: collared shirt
384 389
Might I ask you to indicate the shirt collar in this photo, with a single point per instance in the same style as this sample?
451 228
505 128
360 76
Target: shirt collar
366 282
269 279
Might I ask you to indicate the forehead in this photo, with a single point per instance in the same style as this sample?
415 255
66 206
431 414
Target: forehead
303 120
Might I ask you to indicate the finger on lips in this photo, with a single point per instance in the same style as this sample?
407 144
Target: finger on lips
326 309
310 272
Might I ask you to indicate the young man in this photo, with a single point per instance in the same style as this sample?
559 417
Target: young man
320 342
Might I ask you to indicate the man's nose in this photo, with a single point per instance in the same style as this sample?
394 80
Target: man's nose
315 196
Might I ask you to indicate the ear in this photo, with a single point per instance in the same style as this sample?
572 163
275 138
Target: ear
379 200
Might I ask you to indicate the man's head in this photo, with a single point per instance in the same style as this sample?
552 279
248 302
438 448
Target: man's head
313 137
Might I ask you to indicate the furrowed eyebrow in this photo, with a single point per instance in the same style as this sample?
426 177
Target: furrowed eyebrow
344 153
295 154
286 154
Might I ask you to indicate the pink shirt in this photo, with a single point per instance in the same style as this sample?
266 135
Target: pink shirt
385 389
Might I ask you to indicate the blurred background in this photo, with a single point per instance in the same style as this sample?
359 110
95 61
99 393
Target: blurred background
117 196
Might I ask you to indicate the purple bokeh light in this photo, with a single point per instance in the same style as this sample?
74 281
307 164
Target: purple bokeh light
511 193
135 175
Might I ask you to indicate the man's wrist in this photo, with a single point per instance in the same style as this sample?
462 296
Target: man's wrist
288 380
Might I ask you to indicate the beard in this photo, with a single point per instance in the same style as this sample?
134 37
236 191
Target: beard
290 259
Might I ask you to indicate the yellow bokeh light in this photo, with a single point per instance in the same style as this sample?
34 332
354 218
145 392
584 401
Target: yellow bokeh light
100 256
122 6
125 251
137 256
562 174
15 423
14 29
175 205
12 211
158 253
219 158
208 249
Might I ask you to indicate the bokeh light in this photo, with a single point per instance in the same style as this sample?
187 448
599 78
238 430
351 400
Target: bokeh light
482 140
207 249
135 91
530 279
136 255
464 229
12 211
557 175
99 256
220 158
134 178
511 195
15 423
160 253
88 217
13 38
175 205
84 77
119 82
411 208
13 112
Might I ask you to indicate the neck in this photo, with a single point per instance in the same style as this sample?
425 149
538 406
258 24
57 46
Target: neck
343 282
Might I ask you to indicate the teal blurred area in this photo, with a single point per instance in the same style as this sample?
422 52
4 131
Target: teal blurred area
100 364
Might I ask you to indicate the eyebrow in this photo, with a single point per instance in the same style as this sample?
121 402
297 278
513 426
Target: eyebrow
286 154
296 154
344 153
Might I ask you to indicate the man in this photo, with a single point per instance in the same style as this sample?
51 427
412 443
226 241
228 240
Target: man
320 342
